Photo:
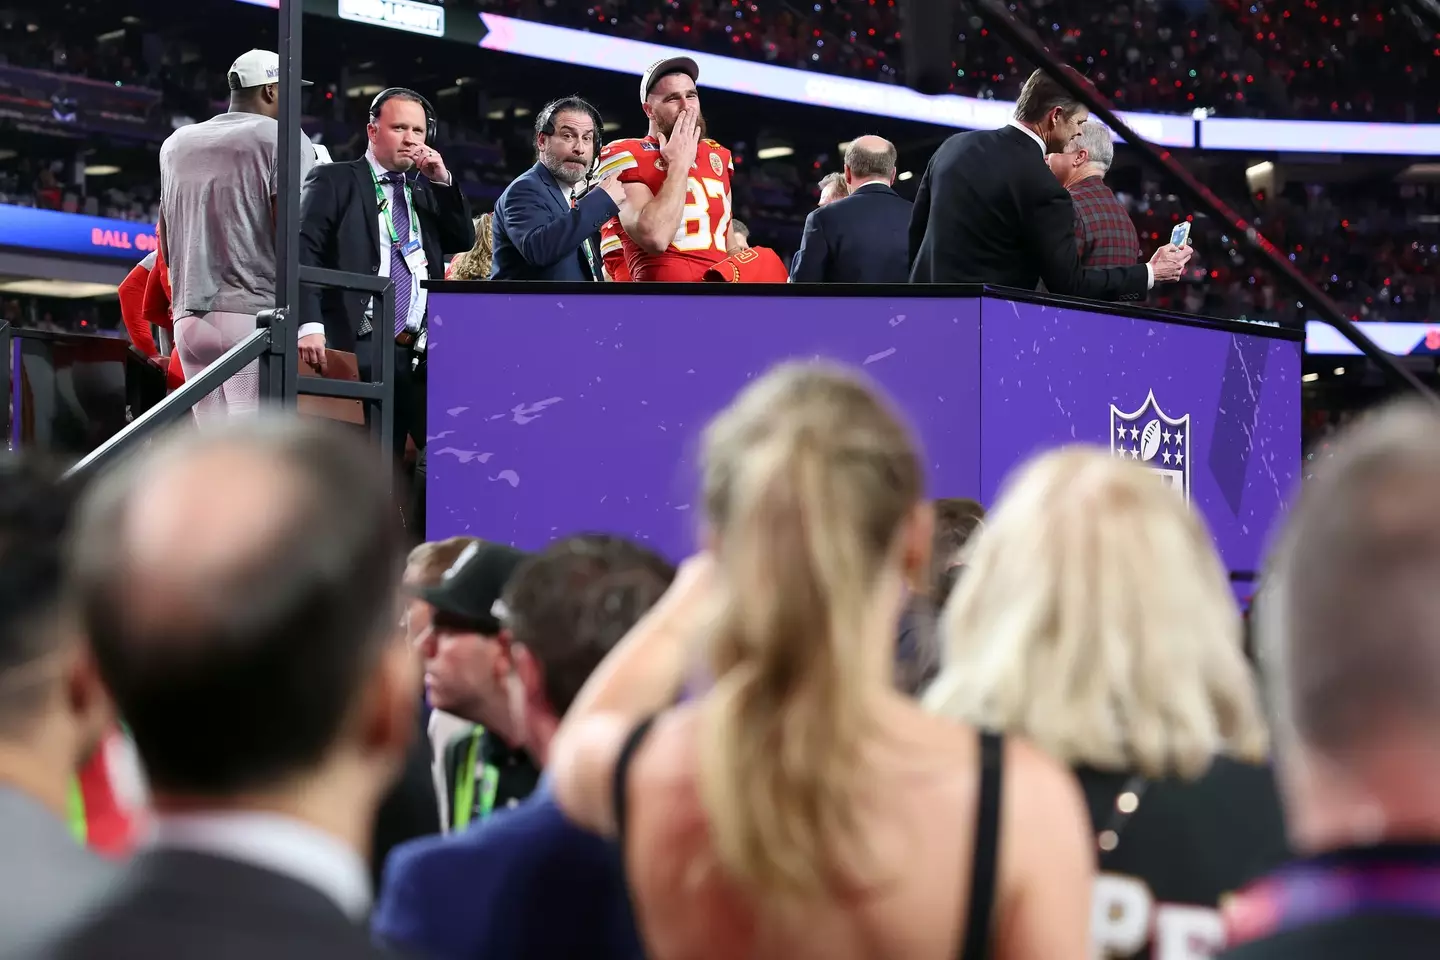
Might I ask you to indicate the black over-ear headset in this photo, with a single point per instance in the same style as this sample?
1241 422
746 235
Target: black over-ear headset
391 92
545 121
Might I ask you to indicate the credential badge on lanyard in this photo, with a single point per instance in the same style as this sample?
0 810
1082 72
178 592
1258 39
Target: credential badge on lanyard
411 250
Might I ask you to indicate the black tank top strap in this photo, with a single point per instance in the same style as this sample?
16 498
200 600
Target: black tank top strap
983 867
618 792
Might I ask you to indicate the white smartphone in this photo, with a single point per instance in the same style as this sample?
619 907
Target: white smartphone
1181 234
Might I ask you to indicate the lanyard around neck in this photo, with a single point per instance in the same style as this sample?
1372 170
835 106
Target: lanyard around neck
384 203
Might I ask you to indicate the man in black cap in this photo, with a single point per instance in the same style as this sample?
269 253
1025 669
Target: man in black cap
467 661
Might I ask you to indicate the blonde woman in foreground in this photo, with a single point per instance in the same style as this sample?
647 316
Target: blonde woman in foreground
1096 620
800 807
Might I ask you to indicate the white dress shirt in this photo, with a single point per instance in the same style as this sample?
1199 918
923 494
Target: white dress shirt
418 294
276 843
1149 270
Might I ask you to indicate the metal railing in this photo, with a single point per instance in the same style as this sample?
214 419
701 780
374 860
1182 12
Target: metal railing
273 344
7 357
1003 23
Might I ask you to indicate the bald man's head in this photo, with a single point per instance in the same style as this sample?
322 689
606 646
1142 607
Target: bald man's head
237 586
1350 623
869 159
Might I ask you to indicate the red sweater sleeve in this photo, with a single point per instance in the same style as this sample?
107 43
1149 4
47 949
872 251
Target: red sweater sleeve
157 295
132 310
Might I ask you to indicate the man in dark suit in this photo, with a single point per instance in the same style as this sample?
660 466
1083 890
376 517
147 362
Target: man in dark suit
1351 646
373 215
546 227
53 711
1104 233
239 587
864 237
990 211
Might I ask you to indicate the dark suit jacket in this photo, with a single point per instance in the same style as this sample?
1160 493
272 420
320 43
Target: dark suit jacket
525 884
861 239
1367 937
339 230
537 236
48 879
174 904
411 809
990 211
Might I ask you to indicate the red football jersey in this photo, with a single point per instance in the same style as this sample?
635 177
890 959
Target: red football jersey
755 265
701 239
612 251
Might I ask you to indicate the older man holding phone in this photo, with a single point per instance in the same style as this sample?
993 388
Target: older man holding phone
1104 233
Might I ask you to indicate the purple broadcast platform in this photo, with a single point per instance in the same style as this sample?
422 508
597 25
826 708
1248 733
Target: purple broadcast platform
556 408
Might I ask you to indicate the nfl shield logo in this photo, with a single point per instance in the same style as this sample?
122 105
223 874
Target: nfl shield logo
1161 442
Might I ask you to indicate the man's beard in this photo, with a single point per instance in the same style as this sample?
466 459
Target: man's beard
666 128
565 169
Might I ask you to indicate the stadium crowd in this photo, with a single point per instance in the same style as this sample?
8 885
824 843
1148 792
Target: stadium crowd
1306 59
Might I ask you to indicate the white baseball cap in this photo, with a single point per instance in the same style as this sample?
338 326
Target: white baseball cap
667 66
256 68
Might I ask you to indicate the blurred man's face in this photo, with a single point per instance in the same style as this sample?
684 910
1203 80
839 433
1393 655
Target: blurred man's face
1058 130
670 95
1065 165
568 152
736 242
397 133
833 191
465 672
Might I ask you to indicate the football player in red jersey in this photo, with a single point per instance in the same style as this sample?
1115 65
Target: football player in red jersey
612 252
747 264
676 214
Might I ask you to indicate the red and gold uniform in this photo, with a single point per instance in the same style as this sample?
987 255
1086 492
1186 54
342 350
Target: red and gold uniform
755 265
612 251
700 242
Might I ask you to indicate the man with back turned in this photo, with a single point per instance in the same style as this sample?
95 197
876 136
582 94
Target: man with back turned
251 648
990 211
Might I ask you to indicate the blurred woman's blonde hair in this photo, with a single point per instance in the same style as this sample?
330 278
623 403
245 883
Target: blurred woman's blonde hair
1096 619
474 264
809 480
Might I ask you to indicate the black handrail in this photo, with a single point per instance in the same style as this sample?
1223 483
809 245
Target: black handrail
1003 23
7 357
178 404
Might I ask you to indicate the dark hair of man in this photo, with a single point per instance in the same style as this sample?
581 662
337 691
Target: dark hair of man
740 228
1042 93
866 164
247 681
570 605
956 519
35 510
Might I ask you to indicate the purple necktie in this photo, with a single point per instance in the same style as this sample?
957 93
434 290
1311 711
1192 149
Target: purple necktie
399 273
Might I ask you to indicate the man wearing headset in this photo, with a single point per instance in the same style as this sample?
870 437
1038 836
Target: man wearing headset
547 224
395 212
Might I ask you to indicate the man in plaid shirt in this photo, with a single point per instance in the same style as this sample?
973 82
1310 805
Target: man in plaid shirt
1104 232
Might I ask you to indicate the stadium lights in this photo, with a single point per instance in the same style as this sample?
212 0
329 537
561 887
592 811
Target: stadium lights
100 169
1262 169
906 175
59 289
774 153
1310 377
1339 371
845 145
